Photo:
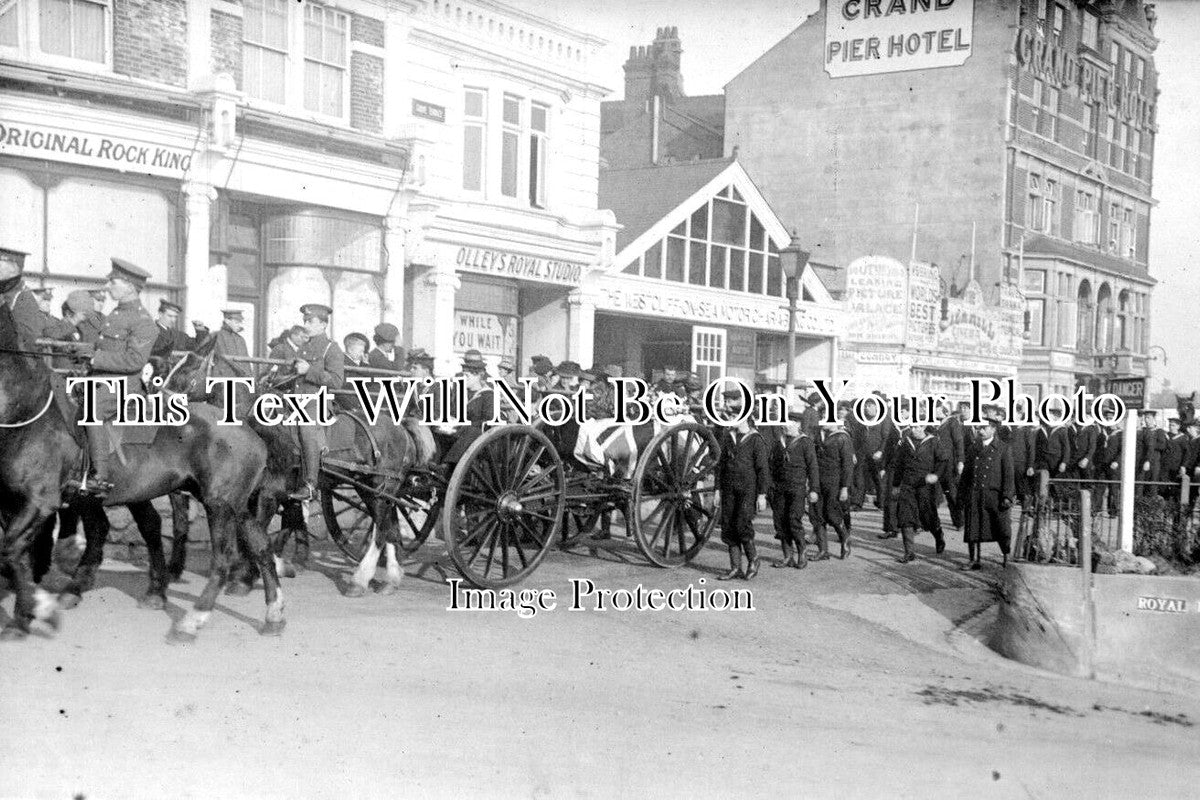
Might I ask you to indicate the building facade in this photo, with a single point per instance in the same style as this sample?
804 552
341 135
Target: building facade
1010 143
431 164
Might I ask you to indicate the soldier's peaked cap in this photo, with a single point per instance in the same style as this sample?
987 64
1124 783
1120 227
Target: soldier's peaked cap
321 312
167 305
12 263
232 313
128 272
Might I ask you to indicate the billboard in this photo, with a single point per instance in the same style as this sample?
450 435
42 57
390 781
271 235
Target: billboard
872 37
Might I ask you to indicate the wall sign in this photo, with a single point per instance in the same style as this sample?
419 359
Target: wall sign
492 335
681 303
429 111
517 265
877 299
871 37
1132 391
924 297
62 144
1170 605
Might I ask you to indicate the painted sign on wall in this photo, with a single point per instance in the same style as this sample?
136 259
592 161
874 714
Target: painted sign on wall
871 37
493 335
111 152
877 299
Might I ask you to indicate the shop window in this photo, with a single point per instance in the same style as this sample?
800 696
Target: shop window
474 138
676 255
326 44
539 138
510 145
264 49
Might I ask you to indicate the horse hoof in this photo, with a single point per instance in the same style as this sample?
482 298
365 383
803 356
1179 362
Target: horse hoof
177 636
355 590
11 633
299 566
386 589
273 628
152 602
69 600
288 571
238 589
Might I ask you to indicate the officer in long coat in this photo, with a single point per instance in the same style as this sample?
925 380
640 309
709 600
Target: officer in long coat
321 364
835 465
794 480
989 490
122 350
921 463
1191 459
743 482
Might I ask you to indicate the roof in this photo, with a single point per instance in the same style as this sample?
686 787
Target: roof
832 278
708 109
641 197
1039 245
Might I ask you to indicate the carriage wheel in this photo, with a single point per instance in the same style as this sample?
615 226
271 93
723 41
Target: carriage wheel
503 506
347 517
672 509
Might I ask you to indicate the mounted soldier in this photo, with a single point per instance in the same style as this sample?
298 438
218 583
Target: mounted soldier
123 350
170 338
230 343
321 364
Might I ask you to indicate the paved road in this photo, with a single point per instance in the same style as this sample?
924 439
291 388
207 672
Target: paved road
849 679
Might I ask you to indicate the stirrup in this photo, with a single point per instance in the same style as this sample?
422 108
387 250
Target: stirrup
304 494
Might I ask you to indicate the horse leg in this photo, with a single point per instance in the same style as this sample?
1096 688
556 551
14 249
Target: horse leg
181 526
243 569
220 539
259 545
149 524
360 581
294 524
389 533
32 603
95 530
41 550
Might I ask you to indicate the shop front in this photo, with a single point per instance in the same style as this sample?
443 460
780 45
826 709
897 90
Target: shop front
909 335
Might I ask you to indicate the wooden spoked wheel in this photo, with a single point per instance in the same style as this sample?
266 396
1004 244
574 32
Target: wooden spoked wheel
673 509
504 506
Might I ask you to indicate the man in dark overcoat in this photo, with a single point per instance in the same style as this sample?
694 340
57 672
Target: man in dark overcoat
743 481
921 462
988 491
952 435
1172 460
794 478
1022 446
1151 444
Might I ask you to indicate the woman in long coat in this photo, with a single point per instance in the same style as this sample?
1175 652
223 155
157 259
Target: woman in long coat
989 488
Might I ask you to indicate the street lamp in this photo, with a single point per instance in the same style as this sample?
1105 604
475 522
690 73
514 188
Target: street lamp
792 258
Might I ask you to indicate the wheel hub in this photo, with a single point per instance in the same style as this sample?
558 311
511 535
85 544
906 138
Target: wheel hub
509 505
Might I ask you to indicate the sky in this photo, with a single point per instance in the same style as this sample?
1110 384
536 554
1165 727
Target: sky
722 37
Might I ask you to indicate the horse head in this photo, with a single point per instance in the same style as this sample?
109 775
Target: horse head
24 380
1186 405
190 375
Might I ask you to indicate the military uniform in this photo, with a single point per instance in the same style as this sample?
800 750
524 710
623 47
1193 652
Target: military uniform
169 340
989 489
1054 450
123 349
918 500
794 473
743 473
326 368
33 323
1172 463
229 343
835 466
1084 440
1114 445
1022 446
1151 444
875 439
953 437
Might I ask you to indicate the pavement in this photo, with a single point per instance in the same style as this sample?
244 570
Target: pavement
855 678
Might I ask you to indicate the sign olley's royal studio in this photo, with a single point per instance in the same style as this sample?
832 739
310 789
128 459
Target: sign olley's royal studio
57 144
870 37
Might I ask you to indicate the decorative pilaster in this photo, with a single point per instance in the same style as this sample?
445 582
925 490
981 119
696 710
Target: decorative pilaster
581 325
444 283
395 251
206 287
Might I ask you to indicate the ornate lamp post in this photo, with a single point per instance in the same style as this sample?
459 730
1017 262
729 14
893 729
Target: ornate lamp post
793 259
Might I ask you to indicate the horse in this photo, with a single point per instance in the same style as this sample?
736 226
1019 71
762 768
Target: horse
221 466
373 458
1186 405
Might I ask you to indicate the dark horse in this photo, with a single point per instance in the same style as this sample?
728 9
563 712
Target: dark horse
1186 405
221 466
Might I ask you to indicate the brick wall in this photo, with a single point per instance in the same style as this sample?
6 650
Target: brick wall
366 30
150 40
227 45
366 92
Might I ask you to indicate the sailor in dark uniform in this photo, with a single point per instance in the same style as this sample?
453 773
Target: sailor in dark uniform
835 464
953 437
743 481
988 491
1172 460
123 350
1151 444
921 463
794 481
320 364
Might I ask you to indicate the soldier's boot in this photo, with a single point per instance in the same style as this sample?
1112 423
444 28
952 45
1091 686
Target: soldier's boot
97 484
844 539
801 557
752 562
907 539
310 444
788 559
735 565
822 545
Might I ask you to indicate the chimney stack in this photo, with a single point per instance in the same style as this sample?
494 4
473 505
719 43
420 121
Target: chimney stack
655 70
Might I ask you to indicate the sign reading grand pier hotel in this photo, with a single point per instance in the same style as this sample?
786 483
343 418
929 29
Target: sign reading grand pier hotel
870 37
